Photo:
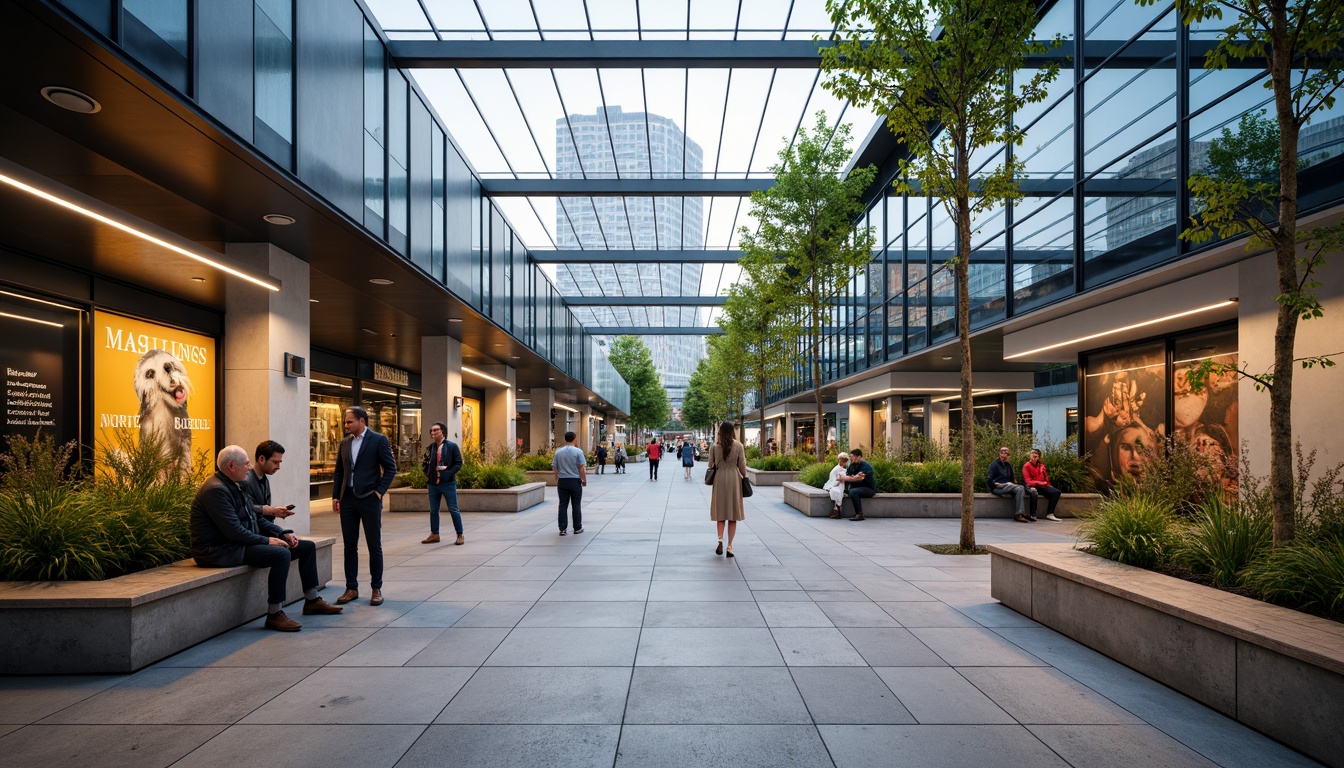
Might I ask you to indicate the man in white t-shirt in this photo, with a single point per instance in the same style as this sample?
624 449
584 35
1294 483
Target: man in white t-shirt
571 475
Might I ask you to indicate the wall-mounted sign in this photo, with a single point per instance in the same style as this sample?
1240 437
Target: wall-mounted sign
152 380
39 358
389 375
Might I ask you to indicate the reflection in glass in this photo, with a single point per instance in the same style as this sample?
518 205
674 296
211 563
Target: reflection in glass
1125 404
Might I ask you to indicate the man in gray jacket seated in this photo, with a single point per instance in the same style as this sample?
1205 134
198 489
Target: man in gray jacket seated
226 531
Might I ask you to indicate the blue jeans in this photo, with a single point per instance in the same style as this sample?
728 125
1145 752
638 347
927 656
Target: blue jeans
438 492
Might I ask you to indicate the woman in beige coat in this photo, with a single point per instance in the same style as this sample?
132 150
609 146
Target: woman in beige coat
729 462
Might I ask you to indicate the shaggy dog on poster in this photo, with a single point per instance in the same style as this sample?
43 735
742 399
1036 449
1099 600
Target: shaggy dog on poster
162 386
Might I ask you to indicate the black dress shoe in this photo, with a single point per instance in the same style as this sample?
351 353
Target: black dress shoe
719 549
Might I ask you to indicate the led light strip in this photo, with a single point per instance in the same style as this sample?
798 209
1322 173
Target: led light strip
897 390
1122 329
566 408
13 182
486 376
31 320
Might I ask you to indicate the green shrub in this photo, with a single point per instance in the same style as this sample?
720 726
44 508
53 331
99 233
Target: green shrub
1138 530
1068 470
414 476
496 476
1222 539
535 462
891 475
1177 476
815 474
782 463
47 535
989 438
753 451
936 477
1320 513
1305 576
491 469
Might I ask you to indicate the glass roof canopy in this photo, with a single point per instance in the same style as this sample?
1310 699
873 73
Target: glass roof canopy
624 123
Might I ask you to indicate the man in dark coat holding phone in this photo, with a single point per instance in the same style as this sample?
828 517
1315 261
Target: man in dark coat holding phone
226 531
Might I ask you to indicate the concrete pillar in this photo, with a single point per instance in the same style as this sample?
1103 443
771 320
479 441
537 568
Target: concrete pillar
441 385
861 425
1009 412
560 426
543 400
894 425
260 326
500 409
786 442
583 427
935 417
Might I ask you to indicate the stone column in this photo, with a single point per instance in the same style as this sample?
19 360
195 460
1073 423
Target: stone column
440 384
584 427
894 422
1010 412
861 425
935 416
561 426
543 400
261 403
499 420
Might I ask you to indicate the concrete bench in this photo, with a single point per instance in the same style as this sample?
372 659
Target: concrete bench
1276 670
764 477
815 502
515 499
123 624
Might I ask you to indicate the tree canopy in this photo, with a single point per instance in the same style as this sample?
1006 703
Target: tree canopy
649 406
948 92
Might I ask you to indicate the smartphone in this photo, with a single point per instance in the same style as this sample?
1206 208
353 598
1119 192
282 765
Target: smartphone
291 506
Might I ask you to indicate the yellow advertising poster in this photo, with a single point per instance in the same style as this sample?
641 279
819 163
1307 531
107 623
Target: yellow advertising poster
471 422
150 379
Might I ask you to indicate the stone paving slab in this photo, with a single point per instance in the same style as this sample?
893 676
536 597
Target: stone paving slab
823 643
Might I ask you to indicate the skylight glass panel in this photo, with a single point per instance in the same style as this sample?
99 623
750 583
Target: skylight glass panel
783 111
704 118
509 19
493 95
664 20
456 19
747 98
582 100
613 19
713 19
665 94
527 221
807 19
451 100
541 109
623 93
399 15
762 19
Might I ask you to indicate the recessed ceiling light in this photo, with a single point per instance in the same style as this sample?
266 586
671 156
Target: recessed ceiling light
198 279
550 378
947 357
278 219
380 281
371 333
499 345
69 98
313 301
515 357
454 319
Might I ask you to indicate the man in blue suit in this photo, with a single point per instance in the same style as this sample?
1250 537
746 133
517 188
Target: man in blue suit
364 471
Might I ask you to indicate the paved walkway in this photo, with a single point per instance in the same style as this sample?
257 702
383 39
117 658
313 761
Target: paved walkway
823 643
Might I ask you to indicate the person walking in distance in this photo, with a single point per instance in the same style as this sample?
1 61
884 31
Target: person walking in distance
1037 478
620 459
364 471
443 460
655 454
571 476
601 459
728 462
687 452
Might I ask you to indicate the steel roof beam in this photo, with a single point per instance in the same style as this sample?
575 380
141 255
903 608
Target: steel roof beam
645 301
650 330
641 256
623 187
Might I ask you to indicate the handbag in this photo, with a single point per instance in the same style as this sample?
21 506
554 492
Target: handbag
746 487
709 475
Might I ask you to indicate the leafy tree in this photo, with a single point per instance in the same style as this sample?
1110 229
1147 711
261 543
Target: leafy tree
726 385
946 91
759 322
807 245
1251 187
695 406
649 406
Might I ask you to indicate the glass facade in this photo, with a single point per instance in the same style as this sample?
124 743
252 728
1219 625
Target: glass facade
1107 156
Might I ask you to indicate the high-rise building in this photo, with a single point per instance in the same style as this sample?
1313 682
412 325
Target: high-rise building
612 143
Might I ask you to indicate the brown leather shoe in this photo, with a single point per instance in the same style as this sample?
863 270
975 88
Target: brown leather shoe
282 623
460 540
320 607
376 598
432 538
347 596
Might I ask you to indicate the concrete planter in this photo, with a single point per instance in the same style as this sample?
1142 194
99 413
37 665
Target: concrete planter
514 499
763 477
1276 670
540 476
815 502
127 623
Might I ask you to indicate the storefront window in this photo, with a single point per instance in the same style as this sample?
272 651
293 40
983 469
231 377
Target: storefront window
409 429
328 398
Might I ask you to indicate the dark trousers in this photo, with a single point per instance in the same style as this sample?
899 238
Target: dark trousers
856 496
601 466
620 466
277 559
653 469
368 512
439 493
570 489
1051 493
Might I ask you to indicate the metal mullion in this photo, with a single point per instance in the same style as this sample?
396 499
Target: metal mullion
629 225
601 229
484 24
433 27
559 94
472 97
723 121
537 213
648 146
532 134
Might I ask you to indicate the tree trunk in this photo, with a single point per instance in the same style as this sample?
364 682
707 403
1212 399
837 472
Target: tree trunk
1285 258
820 421
963 219
760 437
